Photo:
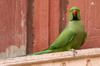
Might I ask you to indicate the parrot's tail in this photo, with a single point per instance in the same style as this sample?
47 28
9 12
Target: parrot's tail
41 52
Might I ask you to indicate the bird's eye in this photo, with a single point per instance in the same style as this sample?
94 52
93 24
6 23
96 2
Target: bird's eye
71 10
78 10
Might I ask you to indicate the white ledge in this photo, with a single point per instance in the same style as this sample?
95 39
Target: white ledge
50 57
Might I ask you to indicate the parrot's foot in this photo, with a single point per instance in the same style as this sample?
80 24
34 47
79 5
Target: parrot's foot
72 49
74 52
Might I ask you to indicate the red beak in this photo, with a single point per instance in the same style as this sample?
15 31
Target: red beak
74 12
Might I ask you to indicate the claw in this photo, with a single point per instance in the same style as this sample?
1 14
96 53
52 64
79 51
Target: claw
74 52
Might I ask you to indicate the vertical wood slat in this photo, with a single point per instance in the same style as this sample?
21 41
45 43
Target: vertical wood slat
41 22
54 20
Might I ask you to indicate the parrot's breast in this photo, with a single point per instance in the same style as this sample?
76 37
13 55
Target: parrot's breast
77 40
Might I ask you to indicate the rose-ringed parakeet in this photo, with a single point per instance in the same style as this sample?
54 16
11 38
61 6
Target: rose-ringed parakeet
72 37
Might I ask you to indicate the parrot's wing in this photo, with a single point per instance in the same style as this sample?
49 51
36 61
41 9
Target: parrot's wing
85 36
63 39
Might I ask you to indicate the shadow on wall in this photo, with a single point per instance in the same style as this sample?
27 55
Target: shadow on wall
63 19
30 30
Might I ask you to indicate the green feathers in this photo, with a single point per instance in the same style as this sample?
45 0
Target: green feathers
72 37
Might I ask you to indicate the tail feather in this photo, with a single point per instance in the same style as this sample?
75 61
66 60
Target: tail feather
41 52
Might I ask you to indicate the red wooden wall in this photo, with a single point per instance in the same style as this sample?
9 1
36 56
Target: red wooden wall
56 18
32 25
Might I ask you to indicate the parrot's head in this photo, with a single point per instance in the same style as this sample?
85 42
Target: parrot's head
74 14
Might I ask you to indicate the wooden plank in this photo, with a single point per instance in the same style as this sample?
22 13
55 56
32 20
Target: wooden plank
12 27
81 58
41 21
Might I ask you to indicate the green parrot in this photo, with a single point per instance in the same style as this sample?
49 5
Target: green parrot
72 37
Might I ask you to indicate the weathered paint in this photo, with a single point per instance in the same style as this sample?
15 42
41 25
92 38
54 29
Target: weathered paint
12 27
13 51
